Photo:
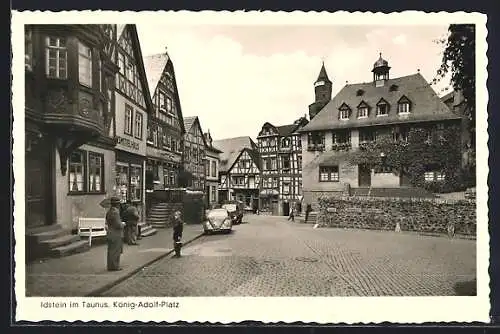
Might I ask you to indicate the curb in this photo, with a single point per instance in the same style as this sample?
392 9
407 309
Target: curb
97 292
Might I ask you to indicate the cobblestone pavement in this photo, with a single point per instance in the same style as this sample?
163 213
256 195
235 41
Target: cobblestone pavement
81 274
269 256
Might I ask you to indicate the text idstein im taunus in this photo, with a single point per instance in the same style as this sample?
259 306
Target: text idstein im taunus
115 304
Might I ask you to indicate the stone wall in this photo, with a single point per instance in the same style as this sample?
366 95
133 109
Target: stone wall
419 215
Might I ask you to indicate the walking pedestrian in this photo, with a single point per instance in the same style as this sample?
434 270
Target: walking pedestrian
292 214
132 222
178 228
114 235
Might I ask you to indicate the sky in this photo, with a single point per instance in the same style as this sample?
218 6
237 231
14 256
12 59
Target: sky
237 77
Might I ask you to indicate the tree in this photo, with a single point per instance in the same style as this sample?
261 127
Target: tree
459 58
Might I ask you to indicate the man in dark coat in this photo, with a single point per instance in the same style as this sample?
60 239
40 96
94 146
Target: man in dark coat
178 228
131 218
308 209
114 235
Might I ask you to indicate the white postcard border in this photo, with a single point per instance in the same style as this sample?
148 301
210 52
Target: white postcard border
266 309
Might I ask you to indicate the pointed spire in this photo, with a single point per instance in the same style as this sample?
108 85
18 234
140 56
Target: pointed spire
323 76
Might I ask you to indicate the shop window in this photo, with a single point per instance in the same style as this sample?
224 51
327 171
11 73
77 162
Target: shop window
135 183
56 58
84 65
329 174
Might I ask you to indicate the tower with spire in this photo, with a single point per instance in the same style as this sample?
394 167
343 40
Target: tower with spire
322 92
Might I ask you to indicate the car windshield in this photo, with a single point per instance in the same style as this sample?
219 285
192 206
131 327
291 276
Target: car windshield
230 207
217 213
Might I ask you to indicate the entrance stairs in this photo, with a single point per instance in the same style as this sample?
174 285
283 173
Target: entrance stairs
160 215
53 241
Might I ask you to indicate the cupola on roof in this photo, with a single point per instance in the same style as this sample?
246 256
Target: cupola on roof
381 62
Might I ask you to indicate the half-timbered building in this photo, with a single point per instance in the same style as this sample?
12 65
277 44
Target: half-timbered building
211 171
132 105
280 152
239 170
194 154
165 125
69 119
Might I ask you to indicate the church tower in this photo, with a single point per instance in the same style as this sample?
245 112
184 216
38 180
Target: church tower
322 92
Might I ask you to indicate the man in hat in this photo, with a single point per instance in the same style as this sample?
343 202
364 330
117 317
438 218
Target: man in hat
114 235
178 227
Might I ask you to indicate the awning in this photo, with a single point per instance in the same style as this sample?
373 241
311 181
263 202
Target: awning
269 192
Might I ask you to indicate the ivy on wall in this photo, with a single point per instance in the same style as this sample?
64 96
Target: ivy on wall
417 155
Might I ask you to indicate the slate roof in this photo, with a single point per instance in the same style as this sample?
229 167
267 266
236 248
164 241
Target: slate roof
154 66
323 75
287 130
425 104
231 149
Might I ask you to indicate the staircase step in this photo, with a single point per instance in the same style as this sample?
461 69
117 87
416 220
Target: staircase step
157 219
73 248
149 232
159 225
60 241
48 235
42 229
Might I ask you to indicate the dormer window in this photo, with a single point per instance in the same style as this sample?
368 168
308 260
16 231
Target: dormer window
344 112
382 108
403 105
362 110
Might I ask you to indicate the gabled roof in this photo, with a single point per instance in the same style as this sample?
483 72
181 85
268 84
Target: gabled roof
426 105
231 149
155 66
139 59
287 130
191 121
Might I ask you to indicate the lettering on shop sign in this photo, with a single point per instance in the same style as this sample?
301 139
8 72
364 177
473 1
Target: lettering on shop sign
128 143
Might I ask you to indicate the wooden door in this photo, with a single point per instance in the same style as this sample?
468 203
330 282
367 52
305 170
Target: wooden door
364 176
37 183
286 208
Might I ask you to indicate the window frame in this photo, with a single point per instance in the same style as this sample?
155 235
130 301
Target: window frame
138 125
405 110
101 168
332 173
60 50
364 109
87 171
85 53
128 127
344 114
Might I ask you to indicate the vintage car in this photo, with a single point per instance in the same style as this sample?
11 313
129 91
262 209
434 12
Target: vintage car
235 209
217 220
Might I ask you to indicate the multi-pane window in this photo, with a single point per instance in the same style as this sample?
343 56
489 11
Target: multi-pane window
56 58
299 163
329 174
84 64
285 163
86 172
128 119
138 125
77 171
285 142
367 135
28 48
213 193
341 137
403 108
169 105
344 114
214 169
121 62
286 188
363 112
95 172
382 109
431 176
162 101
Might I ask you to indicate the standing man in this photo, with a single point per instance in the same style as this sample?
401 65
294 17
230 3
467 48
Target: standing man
308 209
178 227
114 235
132 222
